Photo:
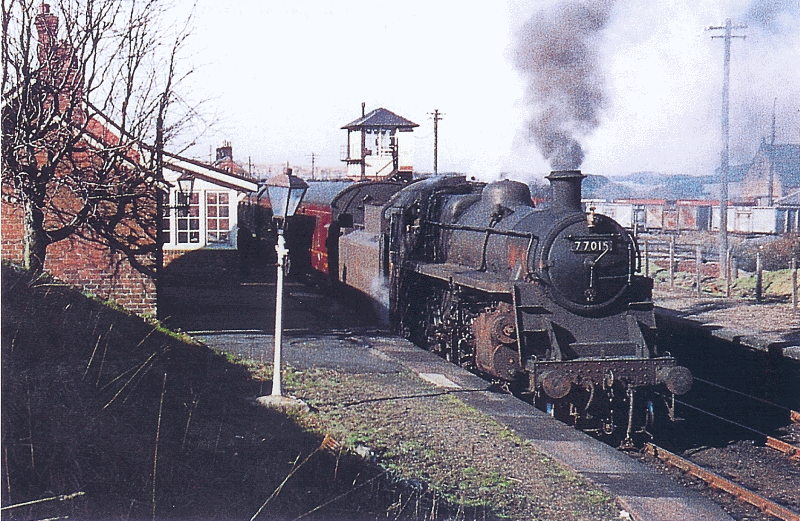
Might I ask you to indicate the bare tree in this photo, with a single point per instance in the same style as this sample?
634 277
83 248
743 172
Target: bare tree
89 91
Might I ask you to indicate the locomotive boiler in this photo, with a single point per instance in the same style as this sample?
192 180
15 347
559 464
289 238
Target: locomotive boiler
547 300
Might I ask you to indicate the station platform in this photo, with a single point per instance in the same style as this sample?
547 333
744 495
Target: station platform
229 321
772 327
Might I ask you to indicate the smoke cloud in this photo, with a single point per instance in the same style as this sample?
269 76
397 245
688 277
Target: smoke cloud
764 76
768 14
557 53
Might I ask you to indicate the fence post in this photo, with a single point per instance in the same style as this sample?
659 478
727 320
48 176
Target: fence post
794 283
698 268
759 277
646 258
734 267
672 262
729 258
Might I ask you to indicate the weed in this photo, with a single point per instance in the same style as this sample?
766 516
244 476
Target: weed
597 497
291 378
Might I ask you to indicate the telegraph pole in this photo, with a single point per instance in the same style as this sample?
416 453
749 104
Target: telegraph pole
313 157
436 117
724 167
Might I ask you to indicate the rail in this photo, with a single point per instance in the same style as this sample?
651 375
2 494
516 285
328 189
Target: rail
791 451
718 482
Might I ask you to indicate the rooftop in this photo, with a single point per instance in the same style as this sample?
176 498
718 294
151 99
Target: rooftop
380 118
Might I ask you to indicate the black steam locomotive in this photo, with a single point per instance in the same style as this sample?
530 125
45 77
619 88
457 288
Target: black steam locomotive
546 300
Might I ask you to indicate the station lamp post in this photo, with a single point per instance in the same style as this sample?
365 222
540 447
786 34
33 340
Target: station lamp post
285 193
183 198
185 188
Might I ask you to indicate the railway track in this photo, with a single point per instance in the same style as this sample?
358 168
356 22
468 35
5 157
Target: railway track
794 416
718 482
791 451
741 457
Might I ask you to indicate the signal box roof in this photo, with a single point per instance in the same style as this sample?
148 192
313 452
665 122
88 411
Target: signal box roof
380 118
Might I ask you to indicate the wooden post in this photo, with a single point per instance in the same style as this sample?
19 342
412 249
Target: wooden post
728 274
672 263
734 267
759 277
698 267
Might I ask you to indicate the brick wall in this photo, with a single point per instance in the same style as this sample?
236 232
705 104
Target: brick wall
11 229
204 267
88 266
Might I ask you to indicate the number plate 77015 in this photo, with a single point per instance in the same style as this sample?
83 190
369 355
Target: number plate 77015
591 245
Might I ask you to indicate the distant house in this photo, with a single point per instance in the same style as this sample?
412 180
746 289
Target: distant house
779 164
204 221
224 161
379 144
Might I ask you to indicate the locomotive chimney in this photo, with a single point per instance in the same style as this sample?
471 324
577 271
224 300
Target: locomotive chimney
565 187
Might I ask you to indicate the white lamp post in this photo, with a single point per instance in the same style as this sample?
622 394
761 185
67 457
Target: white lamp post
285 194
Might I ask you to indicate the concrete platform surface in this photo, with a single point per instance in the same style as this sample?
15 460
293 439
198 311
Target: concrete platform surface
639 490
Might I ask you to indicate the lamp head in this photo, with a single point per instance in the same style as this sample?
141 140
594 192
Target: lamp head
285 192
186 185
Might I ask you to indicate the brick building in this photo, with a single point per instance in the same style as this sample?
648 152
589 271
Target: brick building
225 162
198 231
198 245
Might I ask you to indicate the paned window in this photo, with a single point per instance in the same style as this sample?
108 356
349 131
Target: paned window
217 217
188 221
166 221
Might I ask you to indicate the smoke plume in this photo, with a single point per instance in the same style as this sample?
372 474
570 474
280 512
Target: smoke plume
557 53
768 14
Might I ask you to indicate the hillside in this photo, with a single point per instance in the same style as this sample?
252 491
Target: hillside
646 185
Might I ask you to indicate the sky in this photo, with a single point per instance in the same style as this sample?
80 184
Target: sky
280 79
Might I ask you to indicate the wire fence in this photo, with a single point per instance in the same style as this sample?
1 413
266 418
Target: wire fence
701 262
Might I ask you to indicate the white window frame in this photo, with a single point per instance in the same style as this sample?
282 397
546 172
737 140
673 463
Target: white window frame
203 243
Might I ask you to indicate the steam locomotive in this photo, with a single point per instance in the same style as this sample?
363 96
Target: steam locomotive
545 300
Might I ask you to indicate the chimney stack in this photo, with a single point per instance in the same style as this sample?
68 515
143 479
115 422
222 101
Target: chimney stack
59 64
565 187
47 27
225 151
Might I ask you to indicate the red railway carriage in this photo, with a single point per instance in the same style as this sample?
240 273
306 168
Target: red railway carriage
327 207
307 235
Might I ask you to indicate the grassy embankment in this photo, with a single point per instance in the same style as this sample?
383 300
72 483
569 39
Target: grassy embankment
106 416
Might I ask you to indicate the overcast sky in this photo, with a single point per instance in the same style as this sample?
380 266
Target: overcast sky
284 77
